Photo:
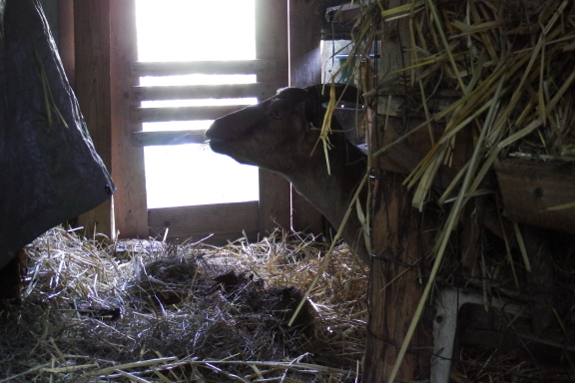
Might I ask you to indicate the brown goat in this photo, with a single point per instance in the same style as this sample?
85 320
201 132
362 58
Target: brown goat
281 134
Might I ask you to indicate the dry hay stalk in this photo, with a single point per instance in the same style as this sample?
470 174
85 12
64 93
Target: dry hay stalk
146 311
512 63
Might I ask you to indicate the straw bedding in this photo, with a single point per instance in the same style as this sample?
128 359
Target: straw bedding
151 312
146 311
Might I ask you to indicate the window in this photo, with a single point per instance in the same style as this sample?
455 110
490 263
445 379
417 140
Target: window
184 30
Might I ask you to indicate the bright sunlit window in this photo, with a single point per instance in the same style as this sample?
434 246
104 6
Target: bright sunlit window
195 30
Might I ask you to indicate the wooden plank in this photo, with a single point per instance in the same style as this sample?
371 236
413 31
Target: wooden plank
128 161
92 88
184 113
304 42
228 220
188 92
304 70
399 239
177 137
529 189
265 67
272 44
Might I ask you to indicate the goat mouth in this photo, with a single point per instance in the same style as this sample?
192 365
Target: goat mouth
218 145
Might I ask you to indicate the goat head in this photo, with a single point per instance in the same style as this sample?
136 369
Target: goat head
278 134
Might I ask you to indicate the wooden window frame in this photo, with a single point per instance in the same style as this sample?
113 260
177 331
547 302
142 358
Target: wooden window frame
91 30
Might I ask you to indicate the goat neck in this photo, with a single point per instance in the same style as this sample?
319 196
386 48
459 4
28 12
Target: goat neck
331 192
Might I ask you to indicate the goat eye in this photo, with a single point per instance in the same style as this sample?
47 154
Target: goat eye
277 114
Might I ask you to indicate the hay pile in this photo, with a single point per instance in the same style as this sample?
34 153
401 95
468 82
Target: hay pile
511 63
146 311
508 67
504 72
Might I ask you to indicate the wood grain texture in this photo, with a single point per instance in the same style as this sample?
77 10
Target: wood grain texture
128 171
530 188
304 70
272 44
304 42
395 286
92 88
228 221
398 237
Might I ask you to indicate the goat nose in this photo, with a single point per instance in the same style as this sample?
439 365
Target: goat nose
213 140
212 134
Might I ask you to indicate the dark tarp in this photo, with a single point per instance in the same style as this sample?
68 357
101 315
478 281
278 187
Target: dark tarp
49 172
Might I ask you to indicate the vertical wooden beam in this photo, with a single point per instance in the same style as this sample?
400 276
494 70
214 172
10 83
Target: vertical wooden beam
272 43
395 286
92 88
304 70
130 204
304 42
399 243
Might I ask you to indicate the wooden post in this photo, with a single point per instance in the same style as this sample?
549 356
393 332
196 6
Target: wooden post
398 240
395 284
104 42
271 43
304 42
304 70
130 204
92 88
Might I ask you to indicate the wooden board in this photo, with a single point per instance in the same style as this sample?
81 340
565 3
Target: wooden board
229 221
184 113
304 70
305 42
400 245
530 188
272 44
265 67
175 137
128 160
397 233
188 92
92 88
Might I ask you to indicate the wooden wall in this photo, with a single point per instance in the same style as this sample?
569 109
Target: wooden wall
92 88
97 57
104 44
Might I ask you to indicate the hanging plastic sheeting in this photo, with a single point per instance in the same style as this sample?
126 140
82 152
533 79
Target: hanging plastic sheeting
49 169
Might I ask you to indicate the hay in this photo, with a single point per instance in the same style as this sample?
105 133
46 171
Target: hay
147 311
509 68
